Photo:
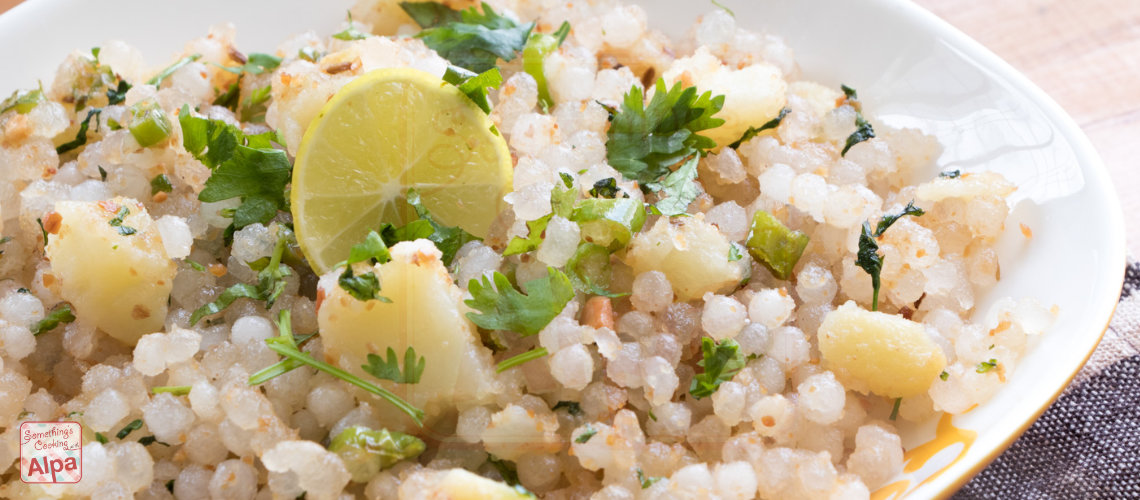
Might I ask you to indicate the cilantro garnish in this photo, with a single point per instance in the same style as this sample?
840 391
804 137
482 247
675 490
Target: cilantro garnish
156 80
40 221
572 407
255 64
270 282
721 360
81 135
754 131
350 33
103 439
645 481
149 440
390 369
605 188
735 252
679 189
895 409
285 345
475 86
950 174
944 375
160 184
469 39
505 468
519 359
129 428
60 315
586 434
868 257
863 130
245 167
117 222
118 94
501 307
986 366
363 287
646 140
253 110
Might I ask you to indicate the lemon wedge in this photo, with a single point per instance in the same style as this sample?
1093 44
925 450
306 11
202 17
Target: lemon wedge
383 133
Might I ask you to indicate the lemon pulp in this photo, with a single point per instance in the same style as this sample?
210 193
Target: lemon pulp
385 132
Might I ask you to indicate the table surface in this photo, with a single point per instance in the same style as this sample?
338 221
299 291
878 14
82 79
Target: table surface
1083 53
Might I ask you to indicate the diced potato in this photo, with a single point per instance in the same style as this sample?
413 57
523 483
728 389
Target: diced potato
426 313
752 94
877 352
457 484
969 185
821 98
118 280
691 252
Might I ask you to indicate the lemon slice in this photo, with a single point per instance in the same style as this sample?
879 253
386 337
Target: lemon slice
385 132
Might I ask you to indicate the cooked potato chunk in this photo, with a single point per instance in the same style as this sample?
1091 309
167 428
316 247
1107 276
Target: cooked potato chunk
457 484
753 94
426 313
692 253
112 265
877 352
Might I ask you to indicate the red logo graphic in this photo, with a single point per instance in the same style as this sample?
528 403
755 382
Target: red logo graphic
51 452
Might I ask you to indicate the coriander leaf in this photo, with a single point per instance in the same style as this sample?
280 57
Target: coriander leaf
753 131
890 219
586 434
447 238
721 360
390 369
372 249
60 315
117 222
572 407
253 110
475 86
212 142
430 14
255 64
537 229
868 257
149 440
230 98
258 177
519 359
605 188
350 33
679 188
227 297
501 307
645 481
102 173
129 428
118 94
863 132
81 135
944 376
735 252
506 470
478 39
950 174
986 366
160 184
285 345
645 140
156 80
363 287
895 409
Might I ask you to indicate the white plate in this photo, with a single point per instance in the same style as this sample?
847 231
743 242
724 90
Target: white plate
910 69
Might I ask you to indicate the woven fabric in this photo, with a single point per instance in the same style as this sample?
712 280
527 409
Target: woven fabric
1087 445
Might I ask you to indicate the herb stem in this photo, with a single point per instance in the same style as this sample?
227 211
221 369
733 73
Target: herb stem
514 361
